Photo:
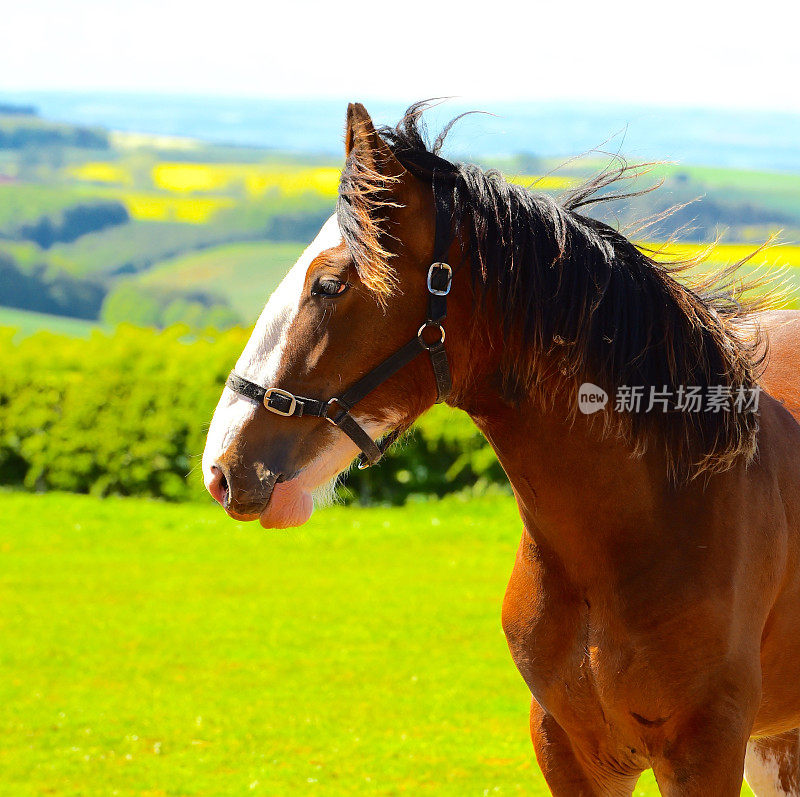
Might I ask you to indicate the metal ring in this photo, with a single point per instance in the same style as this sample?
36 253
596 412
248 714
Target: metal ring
342 407
423 342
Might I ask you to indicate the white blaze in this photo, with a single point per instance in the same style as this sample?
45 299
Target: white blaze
263 353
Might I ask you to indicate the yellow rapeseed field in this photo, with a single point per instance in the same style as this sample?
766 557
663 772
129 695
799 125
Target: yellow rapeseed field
323 181
101 172
161 207
255 179
186 178
194 192
258 179
547 182
772 257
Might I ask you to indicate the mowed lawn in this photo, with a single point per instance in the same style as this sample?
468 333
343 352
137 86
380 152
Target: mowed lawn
163 649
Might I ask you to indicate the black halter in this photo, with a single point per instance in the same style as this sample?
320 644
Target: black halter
337 410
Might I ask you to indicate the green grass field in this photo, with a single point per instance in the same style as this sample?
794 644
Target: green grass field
778 190
27 323
245 274
23 203
130 247
165 650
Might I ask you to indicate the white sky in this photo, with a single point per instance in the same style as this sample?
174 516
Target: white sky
673 53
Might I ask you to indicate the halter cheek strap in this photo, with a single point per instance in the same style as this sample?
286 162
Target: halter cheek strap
337 410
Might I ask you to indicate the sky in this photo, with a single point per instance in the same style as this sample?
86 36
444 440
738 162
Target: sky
678 53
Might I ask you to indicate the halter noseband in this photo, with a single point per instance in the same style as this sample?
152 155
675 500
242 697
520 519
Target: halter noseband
337 410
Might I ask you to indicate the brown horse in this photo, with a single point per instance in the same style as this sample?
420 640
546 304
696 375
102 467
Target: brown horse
654 607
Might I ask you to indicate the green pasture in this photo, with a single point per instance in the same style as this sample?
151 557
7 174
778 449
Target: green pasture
130 247
166 650
27 323
245 274
22 203
777 190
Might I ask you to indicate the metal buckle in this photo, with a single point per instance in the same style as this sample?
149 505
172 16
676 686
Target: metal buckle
344 409
423 342
276 391
438 291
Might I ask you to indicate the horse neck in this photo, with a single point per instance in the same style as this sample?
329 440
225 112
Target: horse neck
581 495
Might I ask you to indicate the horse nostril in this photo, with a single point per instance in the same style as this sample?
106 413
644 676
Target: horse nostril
244 493
226 493
218 486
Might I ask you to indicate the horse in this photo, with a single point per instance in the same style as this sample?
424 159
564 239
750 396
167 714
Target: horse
654 605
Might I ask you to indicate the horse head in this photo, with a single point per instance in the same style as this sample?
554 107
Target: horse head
332 363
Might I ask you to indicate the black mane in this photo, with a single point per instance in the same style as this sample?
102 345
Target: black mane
570 290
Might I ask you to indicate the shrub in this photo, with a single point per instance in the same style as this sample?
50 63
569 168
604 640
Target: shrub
126 413
121 413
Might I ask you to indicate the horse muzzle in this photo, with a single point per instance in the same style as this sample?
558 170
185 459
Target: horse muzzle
243 494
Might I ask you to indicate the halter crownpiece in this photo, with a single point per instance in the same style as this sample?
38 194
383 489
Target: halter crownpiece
337 410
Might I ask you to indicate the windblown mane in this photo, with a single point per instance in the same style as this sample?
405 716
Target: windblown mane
576 299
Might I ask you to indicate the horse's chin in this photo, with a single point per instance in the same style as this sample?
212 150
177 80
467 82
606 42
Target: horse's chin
290 505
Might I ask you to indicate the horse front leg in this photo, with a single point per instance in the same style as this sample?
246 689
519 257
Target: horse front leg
536 639
569 769
705 753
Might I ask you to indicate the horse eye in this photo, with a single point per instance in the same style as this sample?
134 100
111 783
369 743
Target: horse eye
328 286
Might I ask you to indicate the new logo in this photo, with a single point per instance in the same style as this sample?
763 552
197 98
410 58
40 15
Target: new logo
591 398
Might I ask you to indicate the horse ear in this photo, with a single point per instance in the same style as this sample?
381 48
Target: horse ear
362 140
377 198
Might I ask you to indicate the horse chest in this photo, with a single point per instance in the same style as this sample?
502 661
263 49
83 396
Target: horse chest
546 630
552 658
572 667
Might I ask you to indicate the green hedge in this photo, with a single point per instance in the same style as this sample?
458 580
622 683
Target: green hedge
126 413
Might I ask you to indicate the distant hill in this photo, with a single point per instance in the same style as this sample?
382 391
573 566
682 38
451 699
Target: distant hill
8 109
740 139
160 229
244 274
22 128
